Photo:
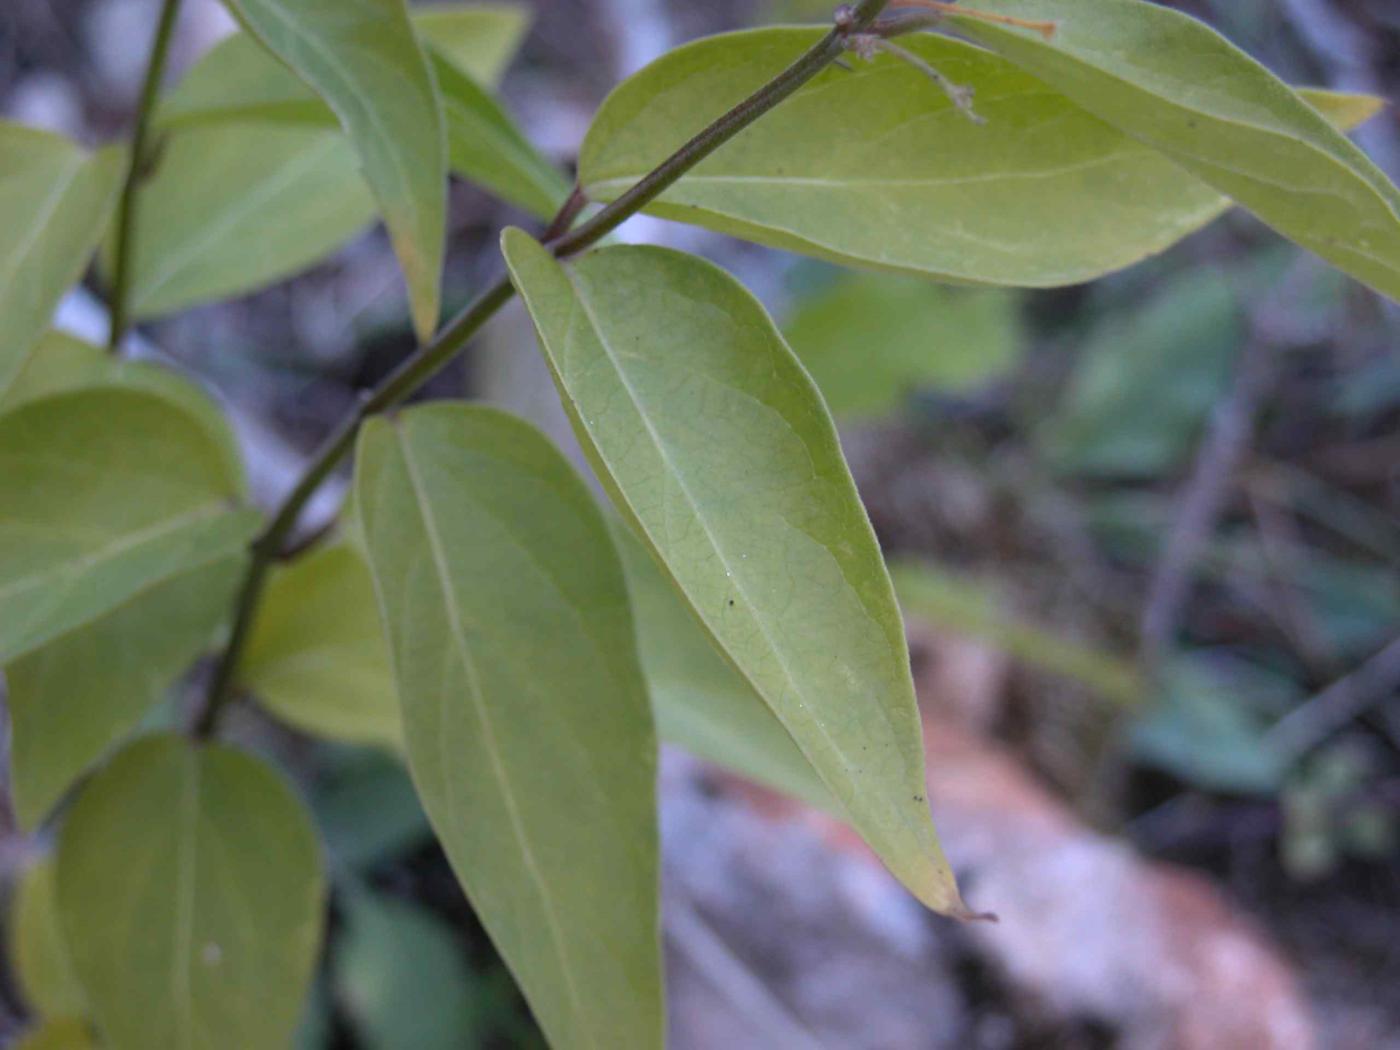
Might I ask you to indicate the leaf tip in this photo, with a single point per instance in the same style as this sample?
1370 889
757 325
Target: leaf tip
965 914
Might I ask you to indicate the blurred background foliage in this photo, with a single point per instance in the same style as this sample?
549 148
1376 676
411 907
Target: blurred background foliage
1171 499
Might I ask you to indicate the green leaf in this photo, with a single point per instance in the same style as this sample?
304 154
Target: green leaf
1203 728
1343 109
716 445
365 61
109 491
75 697
368 811
54 200
54 363
1175 85
479 39
876 168
483 142
62 1033
1147 381
524 709
191 893
485 146
239 80
59 362
700 701
72 698
38 950
231 208
402 977
872 340
316 656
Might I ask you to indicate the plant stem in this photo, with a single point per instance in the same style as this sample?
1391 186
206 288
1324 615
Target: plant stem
565 216
136 172
427 361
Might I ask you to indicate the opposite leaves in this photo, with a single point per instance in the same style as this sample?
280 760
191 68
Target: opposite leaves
524 710
716 445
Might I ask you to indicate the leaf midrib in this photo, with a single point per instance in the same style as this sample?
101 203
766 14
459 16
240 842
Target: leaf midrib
678 477
241 208
126 543
488 734
45 212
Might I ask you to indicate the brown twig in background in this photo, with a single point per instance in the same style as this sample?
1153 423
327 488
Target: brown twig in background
1311 722
1204 496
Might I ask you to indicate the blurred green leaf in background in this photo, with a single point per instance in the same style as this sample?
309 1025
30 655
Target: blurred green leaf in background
871 340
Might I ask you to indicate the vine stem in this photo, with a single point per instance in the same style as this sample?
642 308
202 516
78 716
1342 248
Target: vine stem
428 360
136 173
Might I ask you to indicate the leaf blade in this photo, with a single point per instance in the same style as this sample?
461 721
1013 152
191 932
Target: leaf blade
1175 84
483 544
114 489
54 200
238 80
72 699
714 441
877 168
316 656
701 702
191 894
484 146
231 208
367 64
38 949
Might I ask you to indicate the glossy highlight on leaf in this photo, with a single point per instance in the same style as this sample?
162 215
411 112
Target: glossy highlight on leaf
365 61
716 445
54 201
191 894
1174 84
525 714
